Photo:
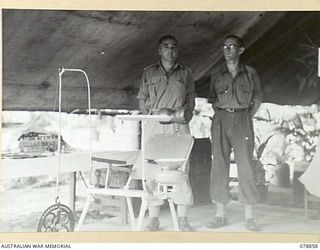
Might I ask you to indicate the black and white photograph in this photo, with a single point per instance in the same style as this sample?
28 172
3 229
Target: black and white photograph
161 121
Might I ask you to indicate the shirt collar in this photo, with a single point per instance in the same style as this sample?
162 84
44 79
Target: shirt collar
225 68
177 65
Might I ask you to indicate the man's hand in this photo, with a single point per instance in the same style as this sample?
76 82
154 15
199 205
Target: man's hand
166 111
145 112
255 106
142 107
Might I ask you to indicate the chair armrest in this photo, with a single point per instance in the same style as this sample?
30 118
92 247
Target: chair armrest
122 165
124 168
110 161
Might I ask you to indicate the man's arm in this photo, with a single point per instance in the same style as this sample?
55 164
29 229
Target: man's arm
212 96
255 106
142 106
257 94
191 92
143 94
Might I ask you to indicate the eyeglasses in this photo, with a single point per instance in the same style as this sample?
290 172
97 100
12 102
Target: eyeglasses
230 46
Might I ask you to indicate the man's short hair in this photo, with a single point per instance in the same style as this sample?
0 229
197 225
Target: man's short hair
240 40
167 37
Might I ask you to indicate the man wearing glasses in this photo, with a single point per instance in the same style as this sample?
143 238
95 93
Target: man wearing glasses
235 95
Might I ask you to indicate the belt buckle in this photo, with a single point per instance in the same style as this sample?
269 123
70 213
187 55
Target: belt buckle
231 110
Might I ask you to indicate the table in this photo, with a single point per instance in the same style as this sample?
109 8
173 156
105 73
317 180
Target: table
70 163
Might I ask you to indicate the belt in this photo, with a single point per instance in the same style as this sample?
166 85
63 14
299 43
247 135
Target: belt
232 110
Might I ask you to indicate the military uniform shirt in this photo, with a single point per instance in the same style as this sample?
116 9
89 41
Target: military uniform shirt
160 89
239 92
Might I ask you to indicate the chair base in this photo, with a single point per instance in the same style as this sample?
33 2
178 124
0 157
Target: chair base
128 194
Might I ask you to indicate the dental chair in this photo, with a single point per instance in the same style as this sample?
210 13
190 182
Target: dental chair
163 160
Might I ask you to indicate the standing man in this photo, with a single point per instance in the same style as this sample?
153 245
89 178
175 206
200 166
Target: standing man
167 84
235 94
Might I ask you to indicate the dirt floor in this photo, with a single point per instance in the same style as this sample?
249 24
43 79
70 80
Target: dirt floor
21 209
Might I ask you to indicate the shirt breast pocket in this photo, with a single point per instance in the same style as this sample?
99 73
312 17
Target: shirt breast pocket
179 87
246 86
152 86
245 91
222 91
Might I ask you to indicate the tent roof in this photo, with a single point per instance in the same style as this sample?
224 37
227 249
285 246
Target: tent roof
113 47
